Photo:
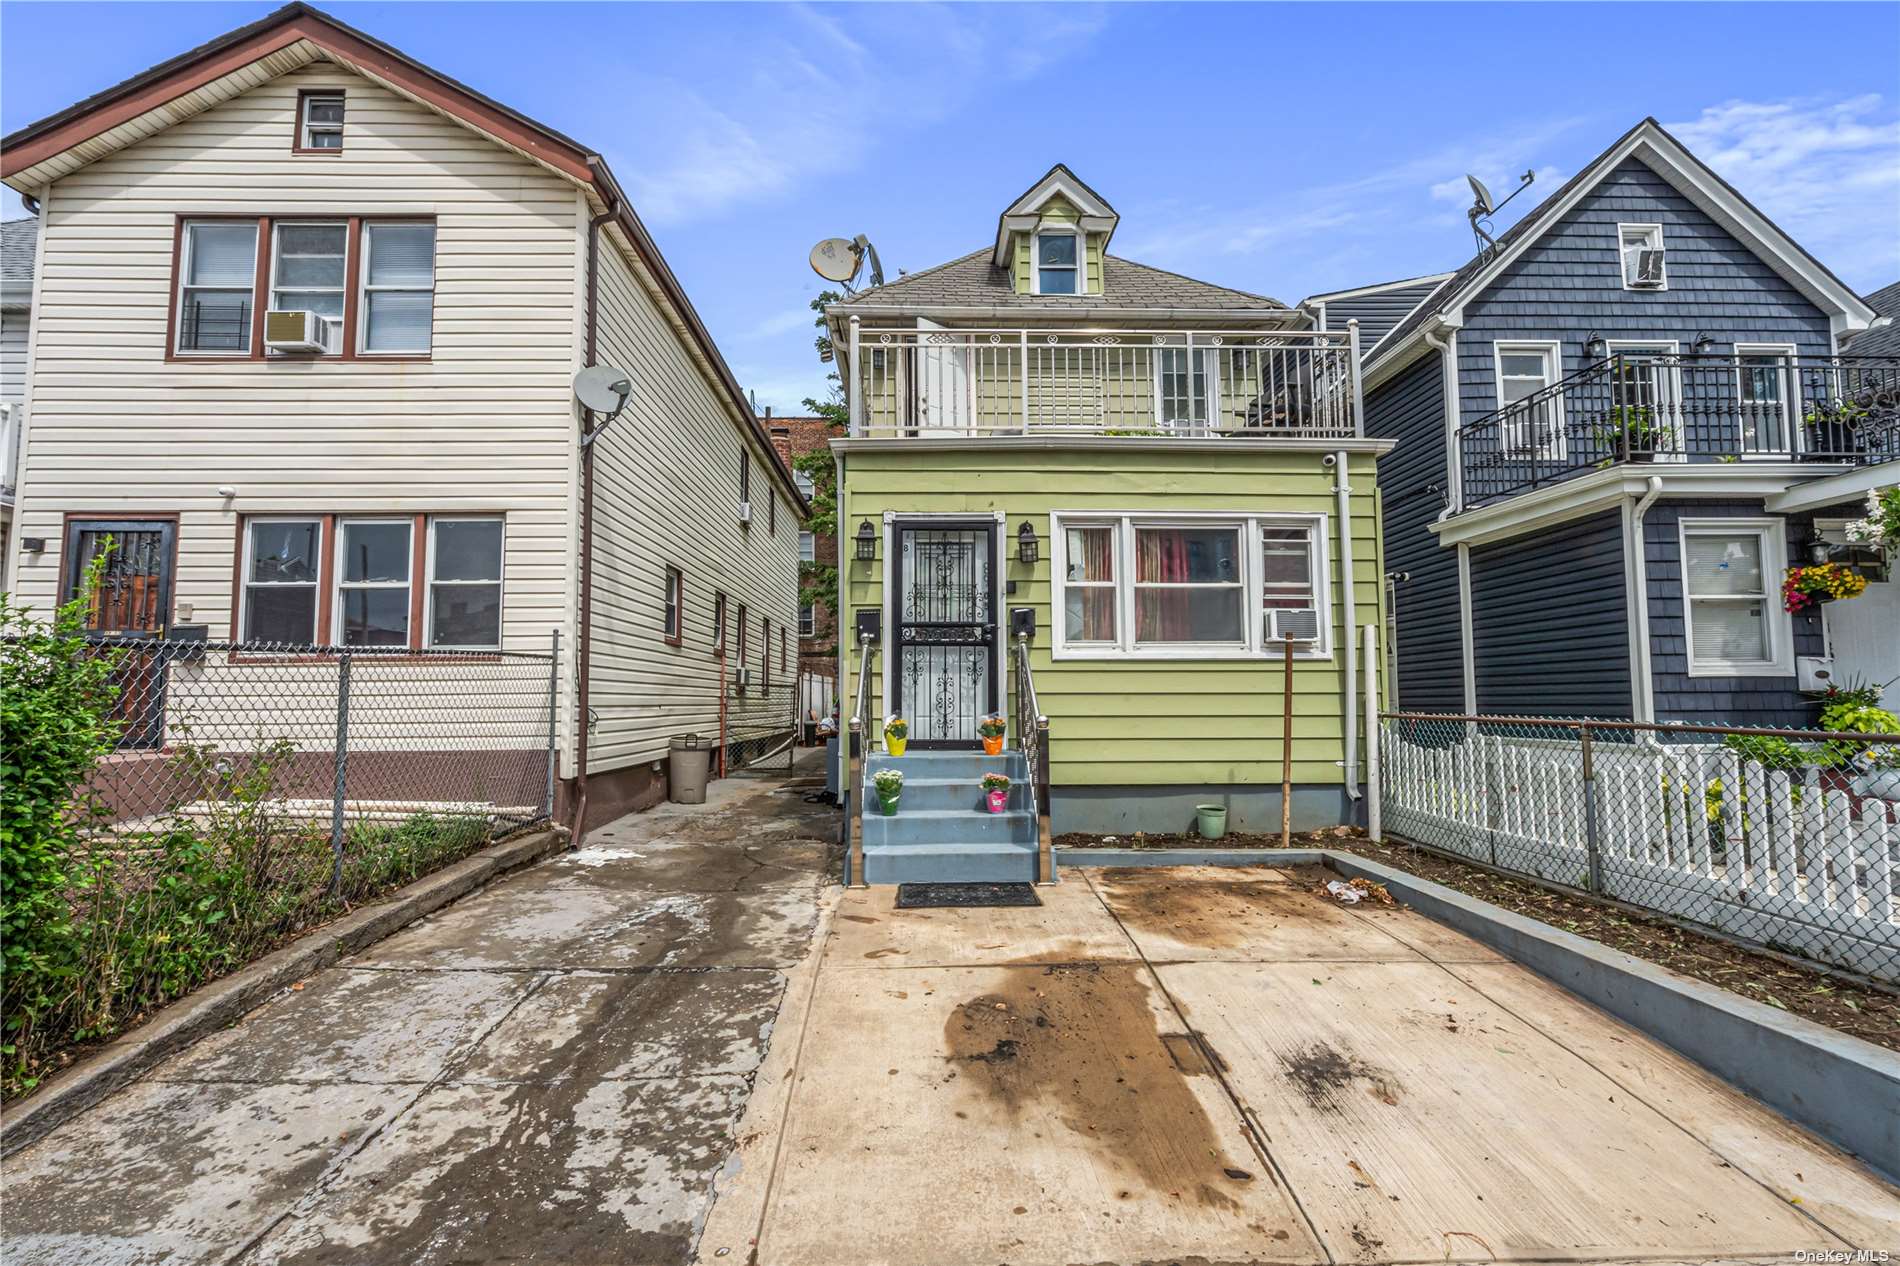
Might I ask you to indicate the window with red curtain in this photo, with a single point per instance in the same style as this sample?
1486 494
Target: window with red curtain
1089 585
1188 585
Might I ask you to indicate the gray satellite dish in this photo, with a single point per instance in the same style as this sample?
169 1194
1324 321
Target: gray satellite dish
603 388
836 259
1485 205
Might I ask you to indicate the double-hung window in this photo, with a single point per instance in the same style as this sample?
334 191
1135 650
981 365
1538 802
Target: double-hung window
374 578
804 482
218 275
807 620
671 597
320 122
465 583
398 304
1057 263
1734 624
1641 249
1192 586
1532 423
308 272
807 547
282 574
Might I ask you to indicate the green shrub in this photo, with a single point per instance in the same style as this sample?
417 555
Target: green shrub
1768 752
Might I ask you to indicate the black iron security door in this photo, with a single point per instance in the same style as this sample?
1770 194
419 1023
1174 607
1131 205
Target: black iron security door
944 611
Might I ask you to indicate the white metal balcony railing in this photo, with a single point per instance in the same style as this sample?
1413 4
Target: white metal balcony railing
11 415
938 382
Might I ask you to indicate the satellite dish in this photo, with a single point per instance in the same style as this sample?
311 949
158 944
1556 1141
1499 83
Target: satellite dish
602 388
836 259
1485 205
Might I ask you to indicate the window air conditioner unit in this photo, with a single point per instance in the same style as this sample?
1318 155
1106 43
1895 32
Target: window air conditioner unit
297 331
1649 269
745 512
1293 625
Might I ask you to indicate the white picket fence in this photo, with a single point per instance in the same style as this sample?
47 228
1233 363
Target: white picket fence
1803 864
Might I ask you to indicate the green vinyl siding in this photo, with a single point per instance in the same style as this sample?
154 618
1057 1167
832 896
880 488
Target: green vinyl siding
1058 210
1137 721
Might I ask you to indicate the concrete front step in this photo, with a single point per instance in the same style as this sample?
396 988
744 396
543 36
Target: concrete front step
947 826
952 793
1008 863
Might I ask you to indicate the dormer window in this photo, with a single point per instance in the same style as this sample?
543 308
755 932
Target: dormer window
1641 246
1056 267
320 122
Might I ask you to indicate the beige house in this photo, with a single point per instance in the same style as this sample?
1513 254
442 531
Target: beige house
304 341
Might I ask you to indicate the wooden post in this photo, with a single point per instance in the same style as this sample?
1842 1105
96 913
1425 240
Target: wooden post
1286 752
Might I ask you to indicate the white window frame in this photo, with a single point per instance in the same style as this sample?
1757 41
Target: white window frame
804 483
1081 268
246 584
1210 371
364 289
807 619
1252 645
339 586
1552 350
333 346
426 638
307 129
185 248
673 604
807 546
1654 235
1772 534
1790 396
1671 348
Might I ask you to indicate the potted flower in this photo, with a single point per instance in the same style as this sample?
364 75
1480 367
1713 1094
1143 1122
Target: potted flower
896 734
889 784
1630 432
991 730
996 791
1834 428
1805 587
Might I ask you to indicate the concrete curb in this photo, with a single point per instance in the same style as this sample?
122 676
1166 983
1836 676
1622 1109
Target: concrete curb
1840 1087
223 1001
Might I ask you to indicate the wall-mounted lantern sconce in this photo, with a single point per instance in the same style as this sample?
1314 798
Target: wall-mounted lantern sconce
1703 344
1594 347
1028 549
867 541
1819 551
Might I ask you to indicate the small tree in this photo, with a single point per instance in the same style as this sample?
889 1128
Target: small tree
55 724
818 582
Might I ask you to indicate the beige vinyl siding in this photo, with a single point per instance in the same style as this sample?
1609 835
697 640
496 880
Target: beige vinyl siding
13 326
1140 721
667 494
486 424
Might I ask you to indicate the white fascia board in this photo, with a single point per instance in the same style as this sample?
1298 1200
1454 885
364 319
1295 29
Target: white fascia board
1436 279
1067 314
1604 489
1110 443
1847 486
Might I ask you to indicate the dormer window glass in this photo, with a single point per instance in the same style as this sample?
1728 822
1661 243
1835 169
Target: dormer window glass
1641 247
1056 270
320 126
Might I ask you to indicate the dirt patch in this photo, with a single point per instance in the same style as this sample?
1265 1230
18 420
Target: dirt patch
1233 839
1223 911
1323 1074
1871 1014
1081 1043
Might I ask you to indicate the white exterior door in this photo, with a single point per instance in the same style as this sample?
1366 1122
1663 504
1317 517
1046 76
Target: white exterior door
944 380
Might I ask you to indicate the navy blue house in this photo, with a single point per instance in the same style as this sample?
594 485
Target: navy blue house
1618 427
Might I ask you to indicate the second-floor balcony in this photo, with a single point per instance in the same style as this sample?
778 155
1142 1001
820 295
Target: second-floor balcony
1194 384
1704 407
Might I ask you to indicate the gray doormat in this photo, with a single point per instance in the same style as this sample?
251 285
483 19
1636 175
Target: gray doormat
934 896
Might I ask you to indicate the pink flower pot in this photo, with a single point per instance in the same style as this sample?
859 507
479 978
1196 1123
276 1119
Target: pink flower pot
999 800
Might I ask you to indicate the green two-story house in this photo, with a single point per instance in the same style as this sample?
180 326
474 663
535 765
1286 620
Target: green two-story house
1101 499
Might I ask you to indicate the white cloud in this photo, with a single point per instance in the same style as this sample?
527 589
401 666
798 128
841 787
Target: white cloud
1826 171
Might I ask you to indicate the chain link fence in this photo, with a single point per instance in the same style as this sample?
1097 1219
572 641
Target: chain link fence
1788 839
760 723
339 744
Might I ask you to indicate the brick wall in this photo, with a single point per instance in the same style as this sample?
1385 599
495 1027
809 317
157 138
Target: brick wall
793 436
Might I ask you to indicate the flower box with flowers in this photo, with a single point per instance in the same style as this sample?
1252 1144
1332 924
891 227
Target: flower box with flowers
1805 587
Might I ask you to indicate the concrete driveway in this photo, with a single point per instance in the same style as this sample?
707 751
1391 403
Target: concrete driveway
1198 1065
552 1069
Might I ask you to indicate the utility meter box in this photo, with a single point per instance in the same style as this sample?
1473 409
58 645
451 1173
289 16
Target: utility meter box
1813 673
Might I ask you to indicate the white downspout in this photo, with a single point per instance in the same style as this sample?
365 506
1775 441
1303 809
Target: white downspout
1342 492
1635 553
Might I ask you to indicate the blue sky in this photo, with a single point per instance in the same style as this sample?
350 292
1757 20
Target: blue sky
1284 149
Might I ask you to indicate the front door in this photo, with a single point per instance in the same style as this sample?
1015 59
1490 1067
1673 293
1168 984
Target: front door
944 611
941 370
133 601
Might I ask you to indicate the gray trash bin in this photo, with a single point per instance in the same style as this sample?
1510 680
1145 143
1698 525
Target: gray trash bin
688 761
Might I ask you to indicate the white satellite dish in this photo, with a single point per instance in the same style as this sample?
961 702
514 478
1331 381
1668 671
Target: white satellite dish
836 259
1485 205
602 388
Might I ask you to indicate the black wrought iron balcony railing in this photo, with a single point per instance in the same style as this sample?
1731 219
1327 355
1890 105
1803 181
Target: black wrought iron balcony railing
1685 408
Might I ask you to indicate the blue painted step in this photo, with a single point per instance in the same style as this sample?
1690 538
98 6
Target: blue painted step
942 831
951 864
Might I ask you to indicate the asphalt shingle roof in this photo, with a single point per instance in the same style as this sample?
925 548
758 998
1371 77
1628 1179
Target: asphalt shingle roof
17 241
974 281
1884 341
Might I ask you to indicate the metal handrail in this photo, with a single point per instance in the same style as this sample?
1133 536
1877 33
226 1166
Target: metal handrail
856 745
1032 731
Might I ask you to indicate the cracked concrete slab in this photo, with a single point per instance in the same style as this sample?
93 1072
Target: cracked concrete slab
1069 926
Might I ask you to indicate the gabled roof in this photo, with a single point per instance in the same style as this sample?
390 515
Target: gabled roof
1021 215
1651 145
1883 340
976 281
294 36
